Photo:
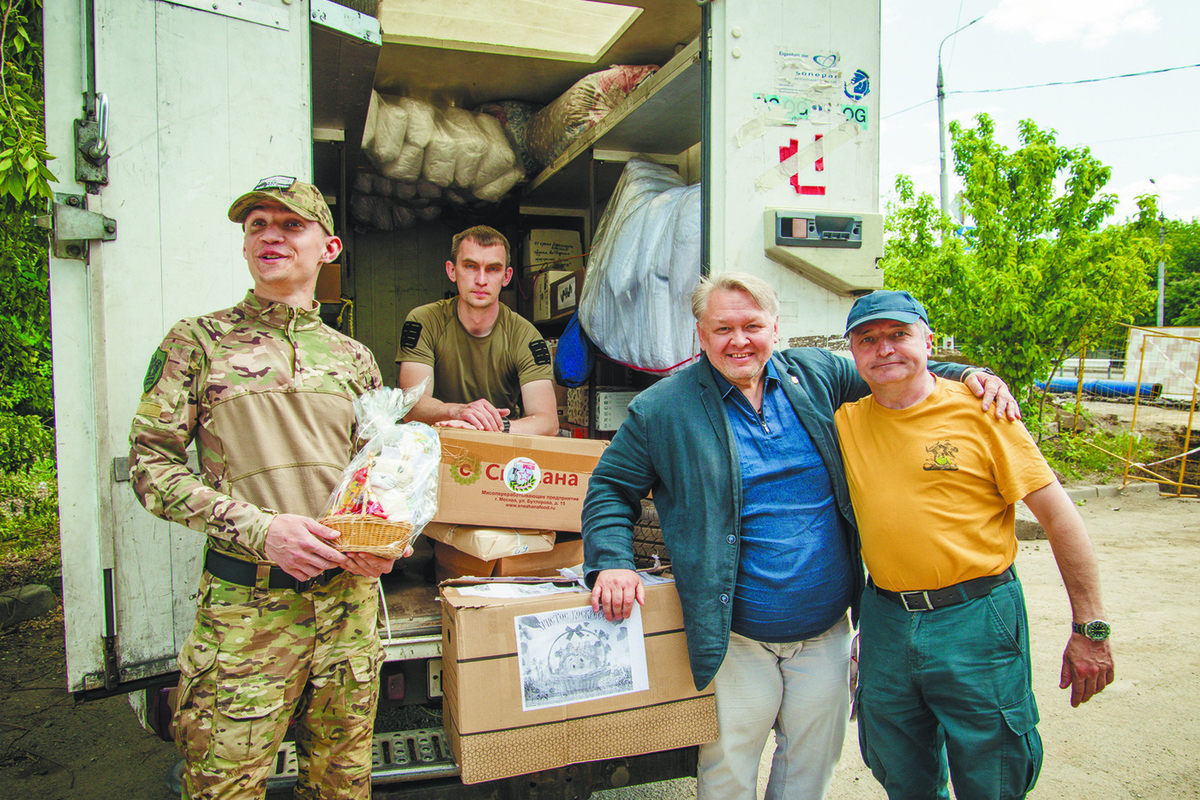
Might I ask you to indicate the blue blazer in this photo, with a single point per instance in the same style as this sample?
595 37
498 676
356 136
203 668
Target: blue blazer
677 443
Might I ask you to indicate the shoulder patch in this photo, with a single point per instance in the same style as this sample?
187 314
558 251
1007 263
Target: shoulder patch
410 334
541 352
155 370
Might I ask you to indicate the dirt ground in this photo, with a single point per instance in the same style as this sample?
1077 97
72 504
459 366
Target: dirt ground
1139 739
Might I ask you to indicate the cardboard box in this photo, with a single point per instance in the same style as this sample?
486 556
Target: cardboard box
489 544
329 284
565 293
549 248
493 737
612 406
501 480
541 293
449 562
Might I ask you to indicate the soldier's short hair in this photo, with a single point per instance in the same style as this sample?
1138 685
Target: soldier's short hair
762 292
482 235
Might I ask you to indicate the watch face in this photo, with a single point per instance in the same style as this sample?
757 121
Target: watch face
1097 630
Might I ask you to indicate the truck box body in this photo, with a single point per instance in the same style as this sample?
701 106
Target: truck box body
200 100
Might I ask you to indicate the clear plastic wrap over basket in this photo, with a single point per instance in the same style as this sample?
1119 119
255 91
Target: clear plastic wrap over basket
388 493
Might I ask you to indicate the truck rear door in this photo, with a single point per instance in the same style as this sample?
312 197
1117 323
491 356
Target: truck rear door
180 106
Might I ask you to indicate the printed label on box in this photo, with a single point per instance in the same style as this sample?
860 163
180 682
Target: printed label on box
575 655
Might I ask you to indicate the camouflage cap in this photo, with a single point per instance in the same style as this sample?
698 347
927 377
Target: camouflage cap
303 198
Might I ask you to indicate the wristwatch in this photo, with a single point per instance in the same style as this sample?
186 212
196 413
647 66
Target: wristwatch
1097 630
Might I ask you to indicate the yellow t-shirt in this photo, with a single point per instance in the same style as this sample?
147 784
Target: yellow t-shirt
934 487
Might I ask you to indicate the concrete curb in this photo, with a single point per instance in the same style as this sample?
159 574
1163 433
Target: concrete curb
1029 528
1078 493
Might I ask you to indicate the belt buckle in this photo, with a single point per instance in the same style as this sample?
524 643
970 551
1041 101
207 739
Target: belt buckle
320 579
922 596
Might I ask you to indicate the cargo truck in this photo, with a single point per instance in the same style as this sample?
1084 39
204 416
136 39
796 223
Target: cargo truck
162 111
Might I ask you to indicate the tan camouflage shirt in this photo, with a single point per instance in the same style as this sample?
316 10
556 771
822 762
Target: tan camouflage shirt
266 391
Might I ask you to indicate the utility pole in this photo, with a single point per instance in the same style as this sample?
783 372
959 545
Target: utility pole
1162 269
941 99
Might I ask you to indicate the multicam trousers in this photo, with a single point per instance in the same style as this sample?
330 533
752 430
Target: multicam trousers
257 658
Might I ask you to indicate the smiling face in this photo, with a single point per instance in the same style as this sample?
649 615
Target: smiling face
891 353
480 272
737 336
285 252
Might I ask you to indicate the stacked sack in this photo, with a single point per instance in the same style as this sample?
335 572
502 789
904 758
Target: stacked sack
425 158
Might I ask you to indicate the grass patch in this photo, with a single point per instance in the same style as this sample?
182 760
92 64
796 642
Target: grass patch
1093 454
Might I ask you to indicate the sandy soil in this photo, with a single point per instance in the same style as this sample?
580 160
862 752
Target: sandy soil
1139 739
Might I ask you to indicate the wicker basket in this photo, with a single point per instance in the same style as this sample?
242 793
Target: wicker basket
364 533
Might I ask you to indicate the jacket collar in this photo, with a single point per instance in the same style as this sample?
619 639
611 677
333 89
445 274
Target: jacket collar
279 315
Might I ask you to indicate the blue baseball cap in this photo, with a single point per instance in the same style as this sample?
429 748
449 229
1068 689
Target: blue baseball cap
900 306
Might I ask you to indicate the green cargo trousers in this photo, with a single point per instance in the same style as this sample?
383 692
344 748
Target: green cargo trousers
257 658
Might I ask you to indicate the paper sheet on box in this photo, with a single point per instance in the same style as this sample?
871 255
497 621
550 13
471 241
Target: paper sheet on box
511 590
576 654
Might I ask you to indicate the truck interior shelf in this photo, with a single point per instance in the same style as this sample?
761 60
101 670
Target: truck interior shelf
662 116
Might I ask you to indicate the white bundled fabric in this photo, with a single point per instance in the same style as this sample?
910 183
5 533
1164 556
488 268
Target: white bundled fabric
636 303
412 144
383 134
499 158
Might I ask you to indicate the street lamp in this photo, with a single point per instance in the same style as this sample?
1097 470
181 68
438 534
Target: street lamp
941 98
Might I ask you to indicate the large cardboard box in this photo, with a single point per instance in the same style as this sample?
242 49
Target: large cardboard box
502 480
550 248
541 293
449 562
493 737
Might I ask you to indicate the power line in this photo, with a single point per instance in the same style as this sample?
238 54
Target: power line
1044 85
1073 83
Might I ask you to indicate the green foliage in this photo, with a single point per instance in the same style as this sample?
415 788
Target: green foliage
24 440
25 384
24 177
29 507
1093 454
1182 283
1037 276
24 188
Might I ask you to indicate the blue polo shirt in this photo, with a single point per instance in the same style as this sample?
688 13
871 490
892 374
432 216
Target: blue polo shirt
794 570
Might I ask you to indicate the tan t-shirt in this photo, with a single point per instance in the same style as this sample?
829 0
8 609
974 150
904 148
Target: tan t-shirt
934 487
467 368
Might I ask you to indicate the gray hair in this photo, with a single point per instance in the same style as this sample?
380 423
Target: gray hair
762 292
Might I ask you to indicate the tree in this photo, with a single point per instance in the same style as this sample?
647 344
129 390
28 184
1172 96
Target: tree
1036 276
25 387
1182 284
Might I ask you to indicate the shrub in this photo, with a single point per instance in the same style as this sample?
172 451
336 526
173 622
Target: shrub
24 439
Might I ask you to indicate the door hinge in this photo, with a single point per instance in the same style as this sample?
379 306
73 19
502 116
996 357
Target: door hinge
73 226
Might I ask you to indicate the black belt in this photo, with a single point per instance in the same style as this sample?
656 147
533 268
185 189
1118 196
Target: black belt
946 596
245 573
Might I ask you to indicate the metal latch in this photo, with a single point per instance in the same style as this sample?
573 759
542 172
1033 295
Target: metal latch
91 146
73 226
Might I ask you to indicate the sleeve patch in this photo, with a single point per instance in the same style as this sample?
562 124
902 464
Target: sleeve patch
155 370
410 334
541 352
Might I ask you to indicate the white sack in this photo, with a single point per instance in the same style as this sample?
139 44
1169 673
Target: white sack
644 264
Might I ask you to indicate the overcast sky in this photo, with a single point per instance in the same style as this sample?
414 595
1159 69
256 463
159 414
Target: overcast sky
1142 127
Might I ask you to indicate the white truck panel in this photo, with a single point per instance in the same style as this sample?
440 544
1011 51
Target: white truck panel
748 135
201 106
